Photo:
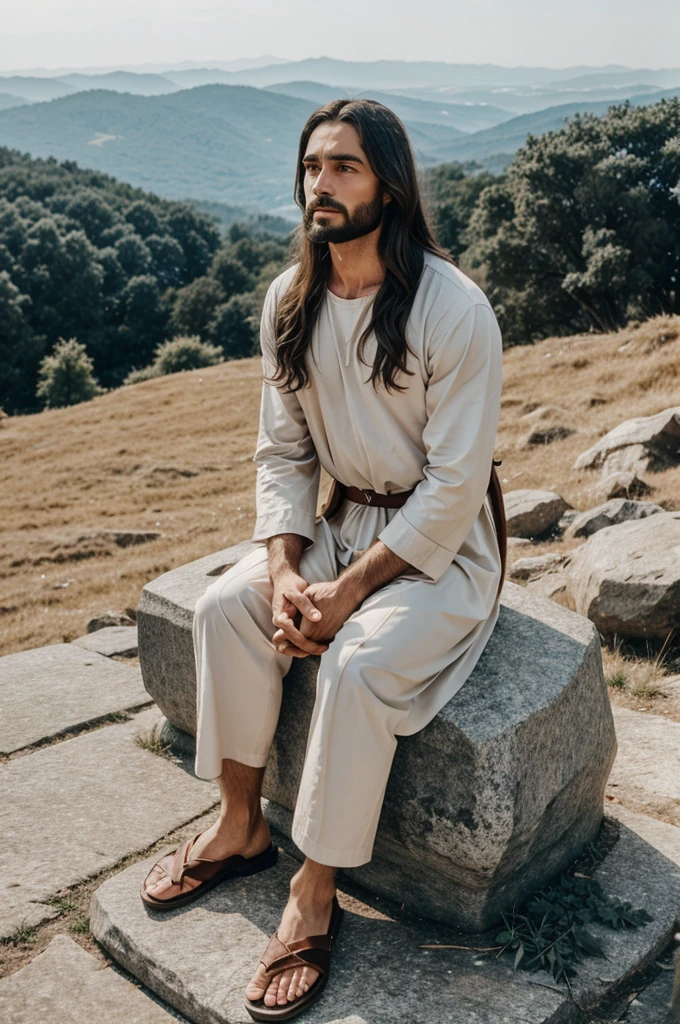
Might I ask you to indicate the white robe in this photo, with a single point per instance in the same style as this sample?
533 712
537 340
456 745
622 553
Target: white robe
412 643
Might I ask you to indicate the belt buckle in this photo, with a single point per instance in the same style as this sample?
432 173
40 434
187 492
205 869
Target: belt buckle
369 499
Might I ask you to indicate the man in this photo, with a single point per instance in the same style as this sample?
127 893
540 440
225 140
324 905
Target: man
382 363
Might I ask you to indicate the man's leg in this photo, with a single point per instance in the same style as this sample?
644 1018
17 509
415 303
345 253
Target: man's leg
397 660
239 685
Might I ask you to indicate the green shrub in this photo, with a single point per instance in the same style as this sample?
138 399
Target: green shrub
65 377
186 352
146 373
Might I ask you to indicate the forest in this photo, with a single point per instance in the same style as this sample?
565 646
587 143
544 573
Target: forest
580 233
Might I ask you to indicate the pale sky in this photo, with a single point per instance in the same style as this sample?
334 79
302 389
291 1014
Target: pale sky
84 33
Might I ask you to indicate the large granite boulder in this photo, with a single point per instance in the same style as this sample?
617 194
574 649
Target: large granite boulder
626 578
529 513
644 443
483 806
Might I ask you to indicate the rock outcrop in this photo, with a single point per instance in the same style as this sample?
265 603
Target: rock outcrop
637 445
611 513
626 578
530 513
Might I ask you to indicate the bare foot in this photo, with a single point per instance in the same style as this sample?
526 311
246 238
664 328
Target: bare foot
223 839
306 913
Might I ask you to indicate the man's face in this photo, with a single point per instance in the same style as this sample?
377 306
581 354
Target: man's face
340 185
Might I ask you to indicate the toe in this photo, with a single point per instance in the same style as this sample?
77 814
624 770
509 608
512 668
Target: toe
284 985
257 985
309 976
295 989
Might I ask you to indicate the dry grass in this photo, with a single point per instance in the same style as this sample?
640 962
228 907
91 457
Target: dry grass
175 455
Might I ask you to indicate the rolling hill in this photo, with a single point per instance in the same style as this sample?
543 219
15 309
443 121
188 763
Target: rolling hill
458 117
232 144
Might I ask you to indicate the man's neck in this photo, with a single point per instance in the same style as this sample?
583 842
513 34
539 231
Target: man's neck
356 268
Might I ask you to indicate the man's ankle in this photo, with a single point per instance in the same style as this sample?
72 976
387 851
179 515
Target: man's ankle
312 888
244 820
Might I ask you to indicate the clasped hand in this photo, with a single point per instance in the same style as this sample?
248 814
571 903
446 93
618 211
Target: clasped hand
309 615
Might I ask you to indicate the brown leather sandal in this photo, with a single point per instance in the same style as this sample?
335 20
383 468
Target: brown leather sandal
279 956
208 872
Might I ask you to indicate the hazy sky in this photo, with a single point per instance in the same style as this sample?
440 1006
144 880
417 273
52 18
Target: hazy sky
44 33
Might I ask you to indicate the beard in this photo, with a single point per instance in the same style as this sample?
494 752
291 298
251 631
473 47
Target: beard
365 218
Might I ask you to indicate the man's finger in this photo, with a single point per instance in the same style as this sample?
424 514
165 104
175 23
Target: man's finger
303 603
292 650
287 633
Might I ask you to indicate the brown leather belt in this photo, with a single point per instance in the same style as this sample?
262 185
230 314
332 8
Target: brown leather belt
338 492
366 497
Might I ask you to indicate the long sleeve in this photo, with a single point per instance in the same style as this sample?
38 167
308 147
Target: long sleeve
288 470
463 409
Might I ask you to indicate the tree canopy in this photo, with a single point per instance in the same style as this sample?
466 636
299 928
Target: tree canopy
87 257
582 232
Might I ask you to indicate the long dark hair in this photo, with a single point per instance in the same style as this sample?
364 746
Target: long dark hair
403 240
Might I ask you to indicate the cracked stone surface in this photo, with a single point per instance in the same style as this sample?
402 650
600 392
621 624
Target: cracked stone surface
70 810
645 776
49 690
120 641
67 985
199 958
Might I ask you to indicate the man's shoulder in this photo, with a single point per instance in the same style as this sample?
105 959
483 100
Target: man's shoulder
445 289
282 282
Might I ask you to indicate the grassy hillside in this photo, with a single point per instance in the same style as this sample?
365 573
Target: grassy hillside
175 455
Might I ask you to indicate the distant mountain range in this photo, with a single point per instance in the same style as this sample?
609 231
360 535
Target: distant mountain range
229 134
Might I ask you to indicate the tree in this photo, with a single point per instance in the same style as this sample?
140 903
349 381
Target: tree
451 192
65 377
234 328
195 305
584 230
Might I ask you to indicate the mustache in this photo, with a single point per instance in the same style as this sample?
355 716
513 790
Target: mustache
325 204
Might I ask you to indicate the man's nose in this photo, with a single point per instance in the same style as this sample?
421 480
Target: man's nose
322 185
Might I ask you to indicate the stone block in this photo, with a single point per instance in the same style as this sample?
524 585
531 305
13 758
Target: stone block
67 985
72 809
501 790
48 690
164 617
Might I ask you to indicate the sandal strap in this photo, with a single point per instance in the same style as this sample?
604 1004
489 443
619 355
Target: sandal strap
278 956
313 950
201 869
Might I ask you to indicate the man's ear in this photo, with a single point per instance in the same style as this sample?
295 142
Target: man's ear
387 198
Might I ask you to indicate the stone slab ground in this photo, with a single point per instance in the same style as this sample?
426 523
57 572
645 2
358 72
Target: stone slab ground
112 641
199 959
49 690
646 773
67 985
74 808
653 1005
